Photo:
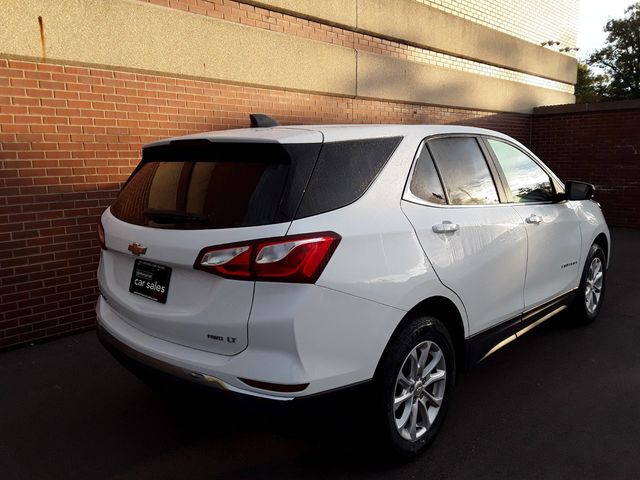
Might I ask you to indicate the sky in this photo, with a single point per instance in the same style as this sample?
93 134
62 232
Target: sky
593 15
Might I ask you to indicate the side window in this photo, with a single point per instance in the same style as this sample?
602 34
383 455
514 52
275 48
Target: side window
425 183
343 172
527 181
464 171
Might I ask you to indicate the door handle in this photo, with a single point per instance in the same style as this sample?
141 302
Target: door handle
533 218
445 227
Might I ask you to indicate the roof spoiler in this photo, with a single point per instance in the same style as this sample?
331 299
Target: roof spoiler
260 120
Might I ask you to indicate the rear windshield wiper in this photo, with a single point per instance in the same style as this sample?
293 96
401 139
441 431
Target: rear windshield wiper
174 216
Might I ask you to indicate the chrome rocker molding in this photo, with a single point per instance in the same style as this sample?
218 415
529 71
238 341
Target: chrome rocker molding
487 342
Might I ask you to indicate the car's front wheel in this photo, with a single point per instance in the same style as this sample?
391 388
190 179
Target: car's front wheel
590 296
414 384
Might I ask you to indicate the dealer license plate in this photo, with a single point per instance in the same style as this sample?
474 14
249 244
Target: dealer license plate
150 280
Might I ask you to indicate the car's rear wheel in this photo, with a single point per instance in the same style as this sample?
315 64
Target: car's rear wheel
586 306
414 384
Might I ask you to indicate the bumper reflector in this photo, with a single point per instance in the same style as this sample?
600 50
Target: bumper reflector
274 387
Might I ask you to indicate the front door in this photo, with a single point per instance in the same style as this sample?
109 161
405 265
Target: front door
553 231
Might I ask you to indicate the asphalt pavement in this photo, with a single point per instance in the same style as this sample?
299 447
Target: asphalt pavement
560 403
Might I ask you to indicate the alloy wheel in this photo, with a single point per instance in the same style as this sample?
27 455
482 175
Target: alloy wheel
593 286
419 390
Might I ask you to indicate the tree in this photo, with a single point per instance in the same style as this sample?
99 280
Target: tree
590 86
620 58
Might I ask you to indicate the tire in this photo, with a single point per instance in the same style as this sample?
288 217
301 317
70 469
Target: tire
397 378
590 296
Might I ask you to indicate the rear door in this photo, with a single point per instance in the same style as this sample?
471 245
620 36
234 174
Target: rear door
184 197
553 229
476 245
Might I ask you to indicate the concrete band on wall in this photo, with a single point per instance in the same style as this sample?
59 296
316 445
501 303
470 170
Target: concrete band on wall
388 78
139 36
424 26
136 35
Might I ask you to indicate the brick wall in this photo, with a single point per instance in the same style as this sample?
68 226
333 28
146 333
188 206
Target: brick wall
69 136
599 144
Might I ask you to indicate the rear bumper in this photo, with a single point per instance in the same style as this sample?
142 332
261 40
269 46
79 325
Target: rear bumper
308 337
170 359
136 361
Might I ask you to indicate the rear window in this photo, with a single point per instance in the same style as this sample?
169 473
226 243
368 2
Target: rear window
201 184
344 171
197 184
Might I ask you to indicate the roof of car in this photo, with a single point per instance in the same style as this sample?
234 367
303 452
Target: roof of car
327 133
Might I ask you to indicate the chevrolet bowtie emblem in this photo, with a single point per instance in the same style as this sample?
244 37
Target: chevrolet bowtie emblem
137 249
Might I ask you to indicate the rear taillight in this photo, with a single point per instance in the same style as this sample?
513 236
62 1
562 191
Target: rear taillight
298 258
232 262
101 240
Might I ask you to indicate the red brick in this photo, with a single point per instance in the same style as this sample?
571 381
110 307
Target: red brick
598 147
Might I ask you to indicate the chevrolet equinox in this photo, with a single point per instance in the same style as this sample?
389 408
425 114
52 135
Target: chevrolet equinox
282 262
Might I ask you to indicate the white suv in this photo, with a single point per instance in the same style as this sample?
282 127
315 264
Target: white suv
283 262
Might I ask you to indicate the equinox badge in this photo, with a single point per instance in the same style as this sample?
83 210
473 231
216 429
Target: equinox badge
137 249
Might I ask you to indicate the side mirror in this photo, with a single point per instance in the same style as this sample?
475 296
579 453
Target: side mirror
578 190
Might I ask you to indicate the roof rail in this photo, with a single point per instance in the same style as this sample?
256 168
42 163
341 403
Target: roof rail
260 120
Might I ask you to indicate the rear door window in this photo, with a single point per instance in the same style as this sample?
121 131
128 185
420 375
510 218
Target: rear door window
200 185
464 171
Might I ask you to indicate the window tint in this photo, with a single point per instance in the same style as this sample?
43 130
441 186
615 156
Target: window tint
527 181
196 185
425 183
464 171
344 171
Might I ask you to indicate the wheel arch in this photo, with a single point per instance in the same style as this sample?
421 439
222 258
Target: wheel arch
602 240
445 310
